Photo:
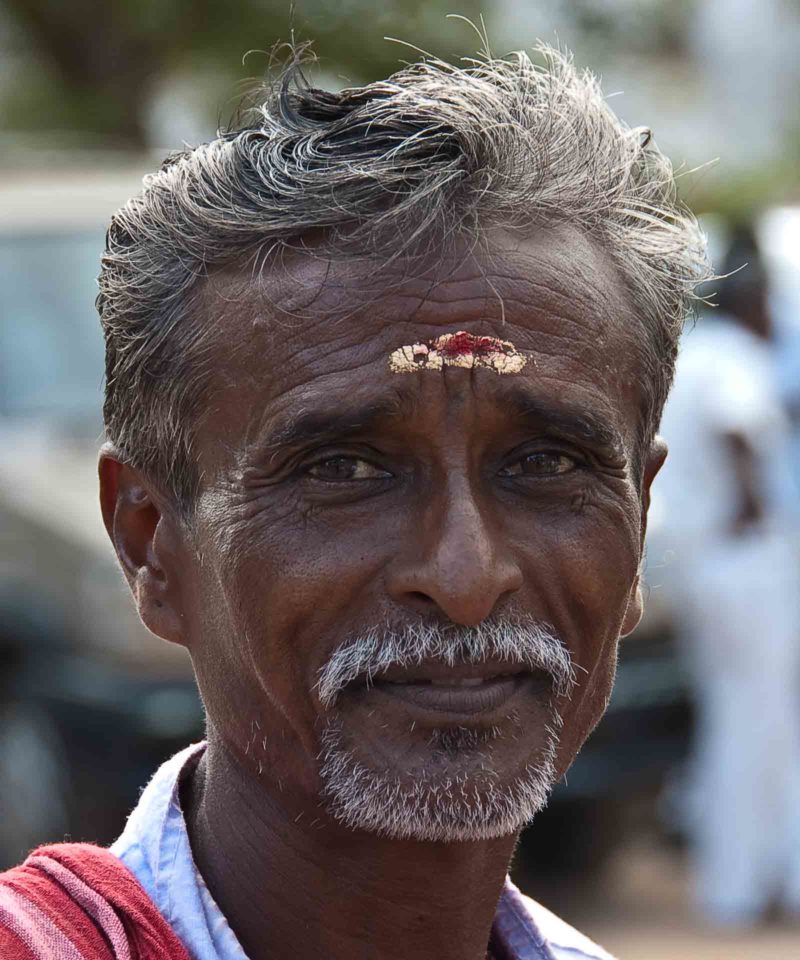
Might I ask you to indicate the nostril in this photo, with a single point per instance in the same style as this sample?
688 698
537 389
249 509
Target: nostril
421 597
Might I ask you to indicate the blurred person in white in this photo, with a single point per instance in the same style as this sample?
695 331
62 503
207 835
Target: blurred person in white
732 572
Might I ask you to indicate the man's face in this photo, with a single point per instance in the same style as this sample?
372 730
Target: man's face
461 519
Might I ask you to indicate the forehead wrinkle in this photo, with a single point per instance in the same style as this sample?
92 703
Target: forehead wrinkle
529 280
567 303
539 309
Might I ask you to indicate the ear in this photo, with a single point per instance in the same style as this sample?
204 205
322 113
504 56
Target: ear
635 608
146 541
654 461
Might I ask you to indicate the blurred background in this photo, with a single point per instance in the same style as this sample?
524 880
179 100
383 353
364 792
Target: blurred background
91 98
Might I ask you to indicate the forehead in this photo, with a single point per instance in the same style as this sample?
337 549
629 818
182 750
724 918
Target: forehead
310 331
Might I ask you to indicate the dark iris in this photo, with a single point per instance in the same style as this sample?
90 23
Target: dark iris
338 469
546 463
541 464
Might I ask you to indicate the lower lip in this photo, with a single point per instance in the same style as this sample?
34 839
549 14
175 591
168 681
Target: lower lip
455 699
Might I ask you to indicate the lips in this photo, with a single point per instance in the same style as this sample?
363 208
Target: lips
461 690
467 682
437 673
443 681
463 696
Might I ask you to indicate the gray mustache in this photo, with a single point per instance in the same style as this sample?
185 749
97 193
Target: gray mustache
528 643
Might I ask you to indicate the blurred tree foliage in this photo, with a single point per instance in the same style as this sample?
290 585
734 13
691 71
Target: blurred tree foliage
739 197
95 65
640 27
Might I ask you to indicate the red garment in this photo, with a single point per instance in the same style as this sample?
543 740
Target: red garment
75 901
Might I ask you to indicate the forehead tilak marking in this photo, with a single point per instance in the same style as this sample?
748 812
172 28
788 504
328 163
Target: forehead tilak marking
460 349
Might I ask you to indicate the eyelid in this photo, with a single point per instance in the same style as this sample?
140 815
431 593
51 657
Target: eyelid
307 465
553 445
325 451
575 461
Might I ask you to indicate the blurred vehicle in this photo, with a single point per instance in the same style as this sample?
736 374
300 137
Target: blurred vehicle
90 702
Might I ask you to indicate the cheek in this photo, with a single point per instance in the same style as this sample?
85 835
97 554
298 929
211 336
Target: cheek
589 565
244 669
583 567
294 586
593 604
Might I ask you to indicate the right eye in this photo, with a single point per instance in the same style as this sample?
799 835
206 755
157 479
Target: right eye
542 463
345 469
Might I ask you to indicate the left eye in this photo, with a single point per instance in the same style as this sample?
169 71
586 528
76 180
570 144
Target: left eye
336 469
540 464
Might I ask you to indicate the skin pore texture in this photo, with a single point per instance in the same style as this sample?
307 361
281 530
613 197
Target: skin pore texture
338 498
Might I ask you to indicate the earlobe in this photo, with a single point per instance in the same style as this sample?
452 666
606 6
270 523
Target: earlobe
635 609
154 603
136 526
654 461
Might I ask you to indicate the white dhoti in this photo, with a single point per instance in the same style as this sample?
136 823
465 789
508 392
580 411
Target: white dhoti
742 638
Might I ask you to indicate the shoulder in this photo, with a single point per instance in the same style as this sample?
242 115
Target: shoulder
530 930
565 941
40 917
79 900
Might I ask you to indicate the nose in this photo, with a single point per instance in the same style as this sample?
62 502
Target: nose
456 564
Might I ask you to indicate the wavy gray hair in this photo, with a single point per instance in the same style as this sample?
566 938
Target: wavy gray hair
434 151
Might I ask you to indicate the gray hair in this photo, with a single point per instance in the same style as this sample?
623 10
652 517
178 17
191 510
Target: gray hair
521 641
435 150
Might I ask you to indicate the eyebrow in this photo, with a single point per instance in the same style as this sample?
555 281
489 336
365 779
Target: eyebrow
563 418
317 426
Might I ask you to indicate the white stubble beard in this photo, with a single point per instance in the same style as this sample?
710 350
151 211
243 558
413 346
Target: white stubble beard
441 807
445 809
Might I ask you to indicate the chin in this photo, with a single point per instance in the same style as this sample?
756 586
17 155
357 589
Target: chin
462 785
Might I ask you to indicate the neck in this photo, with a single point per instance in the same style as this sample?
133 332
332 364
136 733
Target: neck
293 883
